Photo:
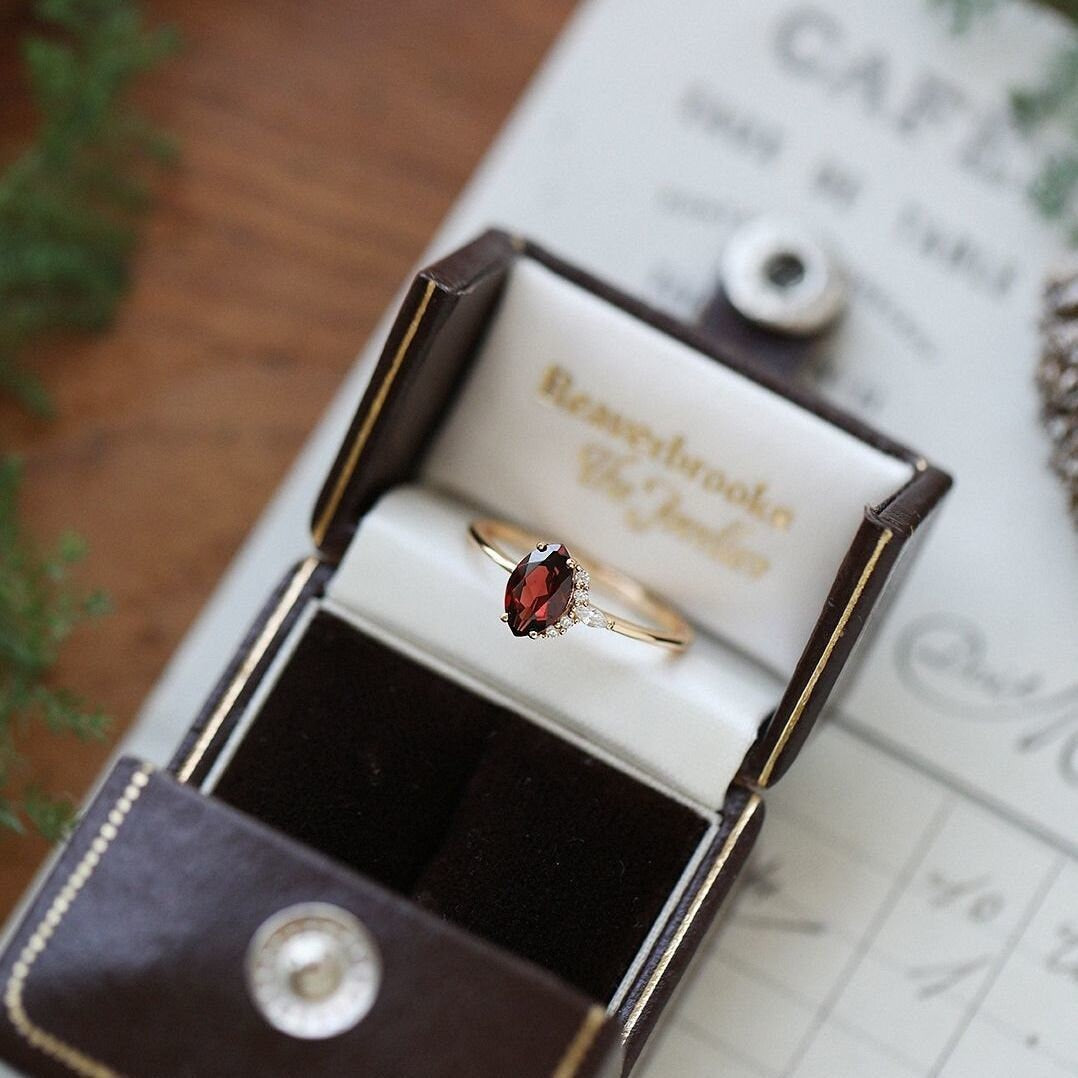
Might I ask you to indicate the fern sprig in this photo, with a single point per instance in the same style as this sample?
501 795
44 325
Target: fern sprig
69 208
38 612
69 204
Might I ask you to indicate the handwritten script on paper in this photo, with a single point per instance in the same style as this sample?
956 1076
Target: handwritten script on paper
950 950
945 660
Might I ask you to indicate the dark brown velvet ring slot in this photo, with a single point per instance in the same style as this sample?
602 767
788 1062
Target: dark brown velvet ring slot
476 813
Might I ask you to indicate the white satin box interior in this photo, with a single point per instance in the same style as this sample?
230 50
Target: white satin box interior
588 793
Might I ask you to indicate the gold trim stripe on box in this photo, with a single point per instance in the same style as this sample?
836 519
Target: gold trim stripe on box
333 502
581 1043
254 657
44 1041
699 898
836 635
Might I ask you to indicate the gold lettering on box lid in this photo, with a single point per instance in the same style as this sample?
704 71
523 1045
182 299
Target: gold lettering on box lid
671 453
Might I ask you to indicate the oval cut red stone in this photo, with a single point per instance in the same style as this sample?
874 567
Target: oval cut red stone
539 591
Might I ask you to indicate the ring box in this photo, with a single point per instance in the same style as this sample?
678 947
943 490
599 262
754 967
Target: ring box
536 834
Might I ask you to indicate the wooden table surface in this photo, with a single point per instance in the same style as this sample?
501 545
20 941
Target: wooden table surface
322 144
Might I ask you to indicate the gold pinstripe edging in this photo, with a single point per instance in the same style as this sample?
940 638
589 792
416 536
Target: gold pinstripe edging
321 526
836 635
254 657
581 1043
691 914
44 1041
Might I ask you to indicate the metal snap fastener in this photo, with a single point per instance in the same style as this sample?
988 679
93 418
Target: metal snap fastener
313 970
777 275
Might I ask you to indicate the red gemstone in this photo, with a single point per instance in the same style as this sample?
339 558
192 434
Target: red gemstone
539 591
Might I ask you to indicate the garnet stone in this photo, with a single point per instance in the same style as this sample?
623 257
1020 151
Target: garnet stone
539 591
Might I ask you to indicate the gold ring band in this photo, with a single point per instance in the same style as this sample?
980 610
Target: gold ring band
549 590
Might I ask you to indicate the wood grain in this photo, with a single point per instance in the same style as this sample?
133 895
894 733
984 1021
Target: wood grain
322 144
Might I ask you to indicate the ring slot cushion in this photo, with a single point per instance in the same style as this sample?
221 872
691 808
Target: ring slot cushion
687 719
131 961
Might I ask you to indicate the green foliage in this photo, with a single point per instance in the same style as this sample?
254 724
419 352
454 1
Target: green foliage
38 611
68 204
1069 8
68 209
1054 101
963 13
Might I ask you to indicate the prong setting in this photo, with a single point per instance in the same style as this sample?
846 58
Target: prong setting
578 610
549 591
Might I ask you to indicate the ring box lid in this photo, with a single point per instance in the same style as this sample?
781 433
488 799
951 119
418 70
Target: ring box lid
439 330
131 960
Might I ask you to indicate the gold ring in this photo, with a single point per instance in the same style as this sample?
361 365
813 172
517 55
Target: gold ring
549 591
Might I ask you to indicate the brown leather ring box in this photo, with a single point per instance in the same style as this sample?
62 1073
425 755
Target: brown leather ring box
533 899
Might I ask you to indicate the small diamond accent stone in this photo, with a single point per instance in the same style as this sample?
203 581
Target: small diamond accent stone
591 616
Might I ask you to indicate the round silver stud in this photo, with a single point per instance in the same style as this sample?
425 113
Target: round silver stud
313 970
779 276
